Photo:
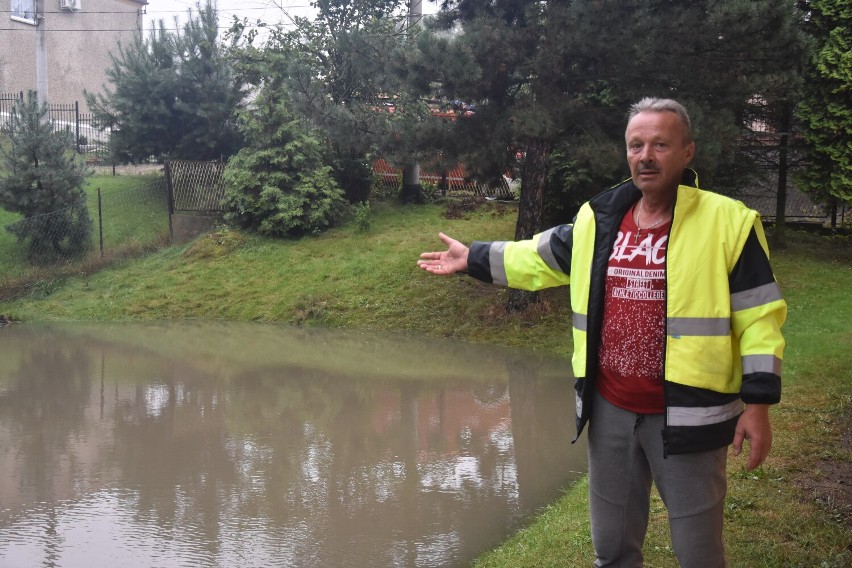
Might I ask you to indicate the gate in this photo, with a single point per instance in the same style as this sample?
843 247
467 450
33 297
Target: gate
195 191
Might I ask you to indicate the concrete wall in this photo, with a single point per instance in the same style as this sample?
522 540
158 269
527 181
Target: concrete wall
78 46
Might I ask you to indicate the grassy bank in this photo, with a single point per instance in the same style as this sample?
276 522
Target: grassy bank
784 514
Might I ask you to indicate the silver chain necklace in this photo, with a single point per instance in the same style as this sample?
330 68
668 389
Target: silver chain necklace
649 227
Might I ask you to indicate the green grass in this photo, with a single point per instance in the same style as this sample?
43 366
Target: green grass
135 217
342 278
368 280
135 212
11 257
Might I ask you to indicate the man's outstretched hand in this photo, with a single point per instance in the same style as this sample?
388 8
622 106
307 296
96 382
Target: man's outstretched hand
447 262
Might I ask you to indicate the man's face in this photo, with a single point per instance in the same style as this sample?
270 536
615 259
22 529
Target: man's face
657 151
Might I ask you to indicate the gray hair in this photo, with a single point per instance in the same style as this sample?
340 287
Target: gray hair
651 104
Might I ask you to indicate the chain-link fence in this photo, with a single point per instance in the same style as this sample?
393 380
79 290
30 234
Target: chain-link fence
195 186
761 196
111 224
454 182
770 153
798 207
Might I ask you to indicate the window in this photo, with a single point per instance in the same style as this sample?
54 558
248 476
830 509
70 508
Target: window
24 11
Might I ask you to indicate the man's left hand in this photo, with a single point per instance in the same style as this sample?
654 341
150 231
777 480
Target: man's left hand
754 426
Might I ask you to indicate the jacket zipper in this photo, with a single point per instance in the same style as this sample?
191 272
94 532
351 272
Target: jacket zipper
664 433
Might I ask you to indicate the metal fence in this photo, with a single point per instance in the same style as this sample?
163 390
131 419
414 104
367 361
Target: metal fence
763 149
88 135
761 196
454 182
798 207
112 224
195 187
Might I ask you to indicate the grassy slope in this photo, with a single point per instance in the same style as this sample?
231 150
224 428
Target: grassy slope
368 280
338 279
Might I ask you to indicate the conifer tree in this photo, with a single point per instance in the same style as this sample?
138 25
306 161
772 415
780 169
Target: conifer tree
44 183
555 79
826 108
173 94
280 184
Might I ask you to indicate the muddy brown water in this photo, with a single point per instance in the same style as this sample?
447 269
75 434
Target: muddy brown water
241 444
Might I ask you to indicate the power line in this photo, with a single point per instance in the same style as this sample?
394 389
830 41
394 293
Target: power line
143 12
78 30
138 12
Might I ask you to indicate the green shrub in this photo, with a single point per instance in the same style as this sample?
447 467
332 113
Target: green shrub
429 192
363 217
279 185
383 192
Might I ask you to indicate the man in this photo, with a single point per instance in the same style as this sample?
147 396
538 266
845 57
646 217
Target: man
677 342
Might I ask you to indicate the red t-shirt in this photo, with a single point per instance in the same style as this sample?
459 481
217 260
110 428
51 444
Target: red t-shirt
633 336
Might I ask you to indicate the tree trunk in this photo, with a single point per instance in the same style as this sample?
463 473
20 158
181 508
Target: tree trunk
411 184
530 208
779 239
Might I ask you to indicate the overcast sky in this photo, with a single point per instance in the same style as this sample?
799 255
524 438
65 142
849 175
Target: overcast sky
269 11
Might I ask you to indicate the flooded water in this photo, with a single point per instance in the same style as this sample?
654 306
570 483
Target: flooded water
237 444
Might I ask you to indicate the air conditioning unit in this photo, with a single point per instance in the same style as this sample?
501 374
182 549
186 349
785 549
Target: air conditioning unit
72 5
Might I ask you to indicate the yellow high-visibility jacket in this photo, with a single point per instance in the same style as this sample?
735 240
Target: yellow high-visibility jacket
724 309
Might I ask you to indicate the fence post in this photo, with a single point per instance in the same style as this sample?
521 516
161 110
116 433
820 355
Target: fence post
77 124
170 198
834 213
100 223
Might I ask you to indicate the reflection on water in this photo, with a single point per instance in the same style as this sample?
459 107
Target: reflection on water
233 444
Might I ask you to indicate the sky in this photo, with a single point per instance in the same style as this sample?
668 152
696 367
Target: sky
269 11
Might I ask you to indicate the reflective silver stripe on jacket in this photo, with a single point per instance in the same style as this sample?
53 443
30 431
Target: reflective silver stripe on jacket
754 297
546 252
496 258
761 364
579 321
678 327
703 415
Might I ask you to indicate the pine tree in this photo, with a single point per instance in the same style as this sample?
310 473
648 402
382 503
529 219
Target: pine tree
173 95
826 108
44 183
554 79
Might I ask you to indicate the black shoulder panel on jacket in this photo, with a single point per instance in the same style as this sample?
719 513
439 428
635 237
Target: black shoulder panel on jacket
752 268
561 242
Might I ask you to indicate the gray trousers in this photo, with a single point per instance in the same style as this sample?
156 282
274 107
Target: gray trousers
625 456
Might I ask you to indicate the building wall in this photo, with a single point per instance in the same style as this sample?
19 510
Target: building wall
78 44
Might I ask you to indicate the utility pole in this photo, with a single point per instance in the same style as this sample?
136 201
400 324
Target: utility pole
411 170
41 53
415 12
